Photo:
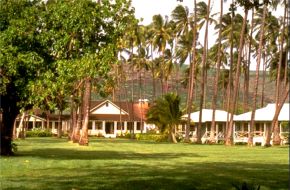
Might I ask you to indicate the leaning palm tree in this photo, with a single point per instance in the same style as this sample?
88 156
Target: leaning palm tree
203 74
216 79
229 134
165 112
252 123
186 30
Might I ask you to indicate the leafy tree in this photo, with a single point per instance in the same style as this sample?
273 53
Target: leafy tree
43 42
166 114
22 60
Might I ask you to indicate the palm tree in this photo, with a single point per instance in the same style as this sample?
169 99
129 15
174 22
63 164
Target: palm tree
260 49
204 60
186 48
280 95
165 112
247 6
219 58
162 34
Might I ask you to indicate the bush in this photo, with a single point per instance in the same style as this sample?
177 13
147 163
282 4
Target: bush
152 137
39 133
241 143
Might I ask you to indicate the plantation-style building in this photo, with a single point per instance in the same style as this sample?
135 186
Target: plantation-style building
220 119
107 118
112 119
263 120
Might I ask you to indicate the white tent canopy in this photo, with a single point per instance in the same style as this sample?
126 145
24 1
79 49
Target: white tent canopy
220 116
266 114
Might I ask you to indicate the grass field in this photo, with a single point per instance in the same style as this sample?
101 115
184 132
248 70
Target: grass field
50 163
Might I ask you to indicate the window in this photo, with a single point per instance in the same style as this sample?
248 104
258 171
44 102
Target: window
130 126
99 125
90 125
119 125
138 126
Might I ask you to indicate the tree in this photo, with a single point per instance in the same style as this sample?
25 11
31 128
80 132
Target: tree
229 133
216 79
204 60
165 112
161 36
22 58
40 35
260 49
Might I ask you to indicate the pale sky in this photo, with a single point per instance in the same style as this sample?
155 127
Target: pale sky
147 8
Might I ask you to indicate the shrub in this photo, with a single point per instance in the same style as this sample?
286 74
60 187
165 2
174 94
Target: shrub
152 137
14 147
39 133
241 143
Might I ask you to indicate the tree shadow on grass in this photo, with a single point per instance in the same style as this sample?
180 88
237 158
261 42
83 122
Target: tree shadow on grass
184 176
72 154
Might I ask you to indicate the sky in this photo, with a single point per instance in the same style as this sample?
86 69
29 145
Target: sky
145 9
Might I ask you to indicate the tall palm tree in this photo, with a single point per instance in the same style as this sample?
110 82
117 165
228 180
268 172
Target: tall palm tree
204 60
186 45
165 112
161 35
247 6
216 79
281 91
260 49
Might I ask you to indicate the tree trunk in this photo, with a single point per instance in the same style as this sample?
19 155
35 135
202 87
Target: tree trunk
19 132
247 71
191 79
274 125
202 84
216 79
59 126
263 81
173 137
84 140
77 128
73 119
252 123
8 116
229 135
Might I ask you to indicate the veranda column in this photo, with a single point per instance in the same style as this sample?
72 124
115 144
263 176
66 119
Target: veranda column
33 123
135 126
103 127
125 126
115 128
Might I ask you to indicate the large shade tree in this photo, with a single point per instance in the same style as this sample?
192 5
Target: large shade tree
37 36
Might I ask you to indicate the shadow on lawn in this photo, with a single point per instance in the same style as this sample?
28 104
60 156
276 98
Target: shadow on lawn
71 154
185 176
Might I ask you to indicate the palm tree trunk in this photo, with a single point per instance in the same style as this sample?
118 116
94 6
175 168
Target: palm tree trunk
229 135
263 80
216 79
191 83
247 73
153 74
274 125
252 123
229 85
202 84
86 105
276 137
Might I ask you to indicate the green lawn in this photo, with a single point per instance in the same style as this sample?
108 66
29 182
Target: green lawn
50 163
